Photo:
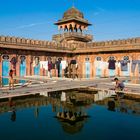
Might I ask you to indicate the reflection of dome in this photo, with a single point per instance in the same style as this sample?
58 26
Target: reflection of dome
72 129
73 13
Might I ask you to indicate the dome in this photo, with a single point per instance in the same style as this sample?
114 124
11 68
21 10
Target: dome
73 13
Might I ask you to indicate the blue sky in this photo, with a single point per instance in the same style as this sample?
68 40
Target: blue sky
111 19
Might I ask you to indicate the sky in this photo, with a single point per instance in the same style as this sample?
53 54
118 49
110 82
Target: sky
34 19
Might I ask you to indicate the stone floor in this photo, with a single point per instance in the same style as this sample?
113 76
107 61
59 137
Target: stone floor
40 84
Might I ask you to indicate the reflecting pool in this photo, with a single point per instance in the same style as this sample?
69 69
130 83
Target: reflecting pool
70 115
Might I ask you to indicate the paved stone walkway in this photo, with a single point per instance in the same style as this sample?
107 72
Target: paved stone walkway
44 84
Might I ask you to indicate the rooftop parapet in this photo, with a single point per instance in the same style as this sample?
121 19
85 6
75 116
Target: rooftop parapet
115 42
33 43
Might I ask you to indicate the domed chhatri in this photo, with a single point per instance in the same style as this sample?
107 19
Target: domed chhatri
72 25
73 13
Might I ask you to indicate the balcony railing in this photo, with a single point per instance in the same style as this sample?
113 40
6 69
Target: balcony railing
86 37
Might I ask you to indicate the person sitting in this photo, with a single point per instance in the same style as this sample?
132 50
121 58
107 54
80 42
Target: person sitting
119 85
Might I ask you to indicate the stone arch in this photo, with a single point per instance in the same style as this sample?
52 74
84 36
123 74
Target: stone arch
75 28
22 66
70 28
65 28
126 57
80 28
5 68
87 59
98 58
112 57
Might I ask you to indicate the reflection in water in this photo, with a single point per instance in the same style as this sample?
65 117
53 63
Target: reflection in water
67 112
71 122
12 109
36 112
13 116
72 128
103 94
111 105
63 96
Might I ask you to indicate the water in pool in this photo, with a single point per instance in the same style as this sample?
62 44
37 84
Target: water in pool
85 116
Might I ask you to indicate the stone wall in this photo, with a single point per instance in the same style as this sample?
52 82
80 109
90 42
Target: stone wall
72 46
104 49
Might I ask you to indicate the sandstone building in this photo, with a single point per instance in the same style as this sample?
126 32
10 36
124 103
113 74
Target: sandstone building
93 59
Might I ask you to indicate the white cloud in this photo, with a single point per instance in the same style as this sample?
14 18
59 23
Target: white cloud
30 25
98 11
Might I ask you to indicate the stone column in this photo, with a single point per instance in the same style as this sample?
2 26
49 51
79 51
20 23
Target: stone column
28 64
18 66
81 67
42 70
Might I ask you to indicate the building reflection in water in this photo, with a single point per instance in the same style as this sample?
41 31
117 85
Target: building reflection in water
13 116
111 105
73 114
70 107
36 112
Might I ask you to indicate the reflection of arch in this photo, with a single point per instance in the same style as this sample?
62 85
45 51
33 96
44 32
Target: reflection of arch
72 129
72 122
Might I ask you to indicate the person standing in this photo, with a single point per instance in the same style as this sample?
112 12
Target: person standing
11 80
50 69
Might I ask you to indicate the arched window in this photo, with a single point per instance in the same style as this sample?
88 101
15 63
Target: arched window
98 58
126 58
36 60
75 28
66 28
87 59
5 57
111 58
22 58
70 28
